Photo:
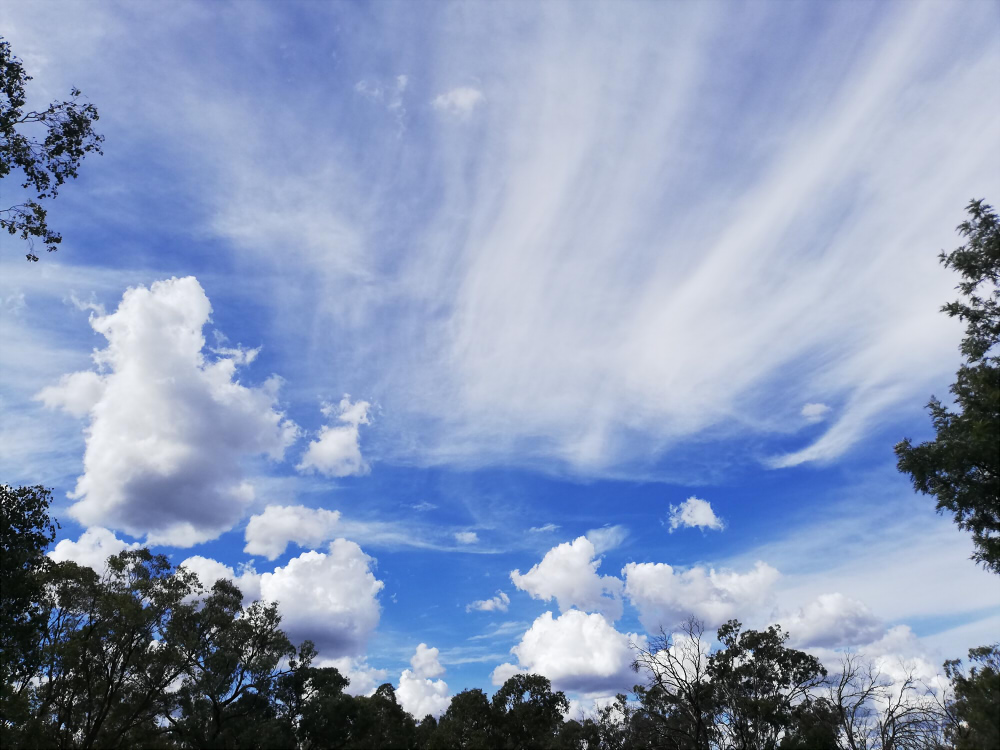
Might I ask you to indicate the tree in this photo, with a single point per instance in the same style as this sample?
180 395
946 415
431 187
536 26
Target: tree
678 705
466 724
961 466
45 146
975 709
759 685
26 531
879 712
526 713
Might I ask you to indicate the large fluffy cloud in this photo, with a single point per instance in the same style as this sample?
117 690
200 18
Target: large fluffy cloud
92 549
209 571
269 533
568 573
328 597
421 696
576 651
665 596
336 452
169 427
418 693
833 620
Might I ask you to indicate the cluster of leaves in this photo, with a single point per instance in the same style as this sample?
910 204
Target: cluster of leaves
961 466
45 147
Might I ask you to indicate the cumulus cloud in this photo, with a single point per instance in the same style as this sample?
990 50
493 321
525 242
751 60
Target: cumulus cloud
269 533
168 428
568 573
329 597
815 412
92 549
466 537
832 621
363 677
425 661
420 696
498 603
459 102
666 596
576 651
694 513
209 571
337 450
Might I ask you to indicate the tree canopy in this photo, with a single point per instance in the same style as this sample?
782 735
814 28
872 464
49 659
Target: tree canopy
45 146
961 466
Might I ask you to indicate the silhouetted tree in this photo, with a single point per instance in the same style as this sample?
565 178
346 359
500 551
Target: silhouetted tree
961 466
45 146
975 709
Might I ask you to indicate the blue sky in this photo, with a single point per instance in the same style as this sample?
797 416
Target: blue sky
575 264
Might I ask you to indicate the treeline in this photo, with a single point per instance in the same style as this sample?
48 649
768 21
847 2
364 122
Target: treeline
143 656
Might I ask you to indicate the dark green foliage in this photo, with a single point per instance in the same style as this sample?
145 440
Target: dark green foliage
25 533
467 723
45 146
526 713
975 711
961 466
759 683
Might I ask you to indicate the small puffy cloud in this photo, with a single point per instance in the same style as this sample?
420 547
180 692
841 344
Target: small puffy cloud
363 678
92 549
694 513
665 596
607 538
337 450
420 696
568 573
815 412
168 429
498 603
269 533
466 537
330 598
578 652
209 571
833 621
425 661
459 102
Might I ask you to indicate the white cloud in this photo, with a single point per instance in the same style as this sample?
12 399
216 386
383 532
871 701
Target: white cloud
425 661
498 603
363 678
337 450
76 393
607 538
665 596
694 513
815 412
504 672
576 651
330 598
209 571
269 533
92 549
168 429
832 621
568 573
549 527
466 537
421 696
459 102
